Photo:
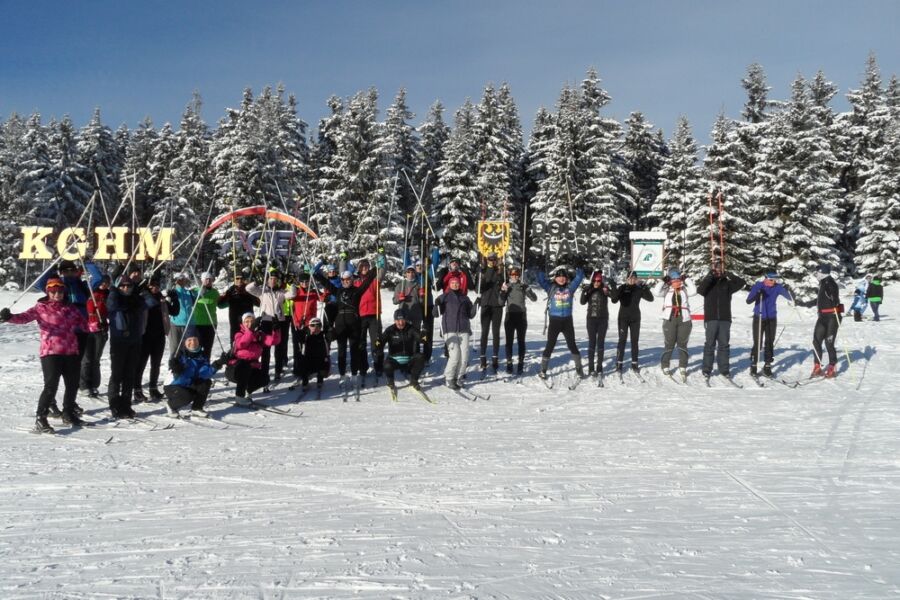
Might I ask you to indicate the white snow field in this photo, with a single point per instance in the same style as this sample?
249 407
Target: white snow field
656 490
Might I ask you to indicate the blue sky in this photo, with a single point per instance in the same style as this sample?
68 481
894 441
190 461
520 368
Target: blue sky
665 58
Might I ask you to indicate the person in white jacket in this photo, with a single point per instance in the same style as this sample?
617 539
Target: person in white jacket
676 293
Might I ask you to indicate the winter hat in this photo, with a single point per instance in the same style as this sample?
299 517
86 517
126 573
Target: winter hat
248 314
492 256
273 272
303 277
824 269
772 274
315 322
597 276
560 270
154 281
454 259
330 268
67 265
410 268
180 276
346 275
632 274
400 314
191 331
674 274
54 283
206 275
418 263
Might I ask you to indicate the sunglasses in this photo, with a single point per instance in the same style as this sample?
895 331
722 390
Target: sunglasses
56 290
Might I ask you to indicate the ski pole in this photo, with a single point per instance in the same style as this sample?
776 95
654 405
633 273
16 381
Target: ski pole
721 231
712 252
844 345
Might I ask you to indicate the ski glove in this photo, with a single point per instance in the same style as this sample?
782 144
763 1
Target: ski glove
5 315
175 365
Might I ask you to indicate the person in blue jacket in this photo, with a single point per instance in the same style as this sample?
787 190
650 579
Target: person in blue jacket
560 301
193 376
764 296
186 298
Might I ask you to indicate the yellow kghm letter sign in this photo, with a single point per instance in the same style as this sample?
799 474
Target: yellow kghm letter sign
111 243
493 236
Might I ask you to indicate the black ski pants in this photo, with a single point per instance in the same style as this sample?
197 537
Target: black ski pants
515 325
827 326
491 318
371 325
54 367
246 377
194 395
349 336
90 362
767 330
596 329
565 326
124 356
413 367
151 351
428 331
207 335
628 327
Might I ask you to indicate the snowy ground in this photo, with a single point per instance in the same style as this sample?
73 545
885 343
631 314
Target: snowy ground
637 491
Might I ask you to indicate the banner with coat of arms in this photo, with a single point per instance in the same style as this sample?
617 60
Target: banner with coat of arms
493 236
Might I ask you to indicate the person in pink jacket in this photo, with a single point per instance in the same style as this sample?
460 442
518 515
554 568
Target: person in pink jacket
58 322
245 368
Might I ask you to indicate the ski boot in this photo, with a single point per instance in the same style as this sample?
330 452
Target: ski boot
70 418
155 395
635 367
767 370
54 411
200 413
817 371
483 363
753 372
495 364
579 369
42 426
545 362
520 368
831 372
138 396
509 367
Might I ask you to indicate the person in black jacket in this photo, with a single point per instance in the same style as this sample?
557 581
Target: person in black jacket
153 342
239 302
830 309
717 287
514 293
629 296
347 324
490 282
596 296
402 342
316 358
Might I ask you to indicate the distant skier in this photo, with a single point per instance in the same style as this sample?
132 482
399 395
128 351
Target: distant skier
875 296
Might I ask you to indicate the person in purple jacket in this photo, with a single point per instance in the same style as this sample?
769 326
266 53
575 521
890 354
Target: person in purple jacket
764 296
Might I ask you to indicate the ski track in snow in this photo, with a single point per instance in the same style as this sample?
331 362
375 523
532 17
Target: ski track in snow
656 490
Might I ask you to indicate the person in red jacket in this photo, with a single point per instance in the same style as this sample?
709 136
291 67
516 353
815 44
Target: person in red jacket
58 322
370 314
98 335
245 368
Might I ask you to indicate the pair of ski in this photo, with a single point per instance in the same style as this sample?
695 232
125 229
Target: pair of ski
727 378
415 390
467 394
549 381
805 381
260 407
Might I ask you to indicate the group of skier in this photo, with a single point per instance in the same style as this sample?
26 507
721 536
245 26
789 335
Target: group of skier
341 302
